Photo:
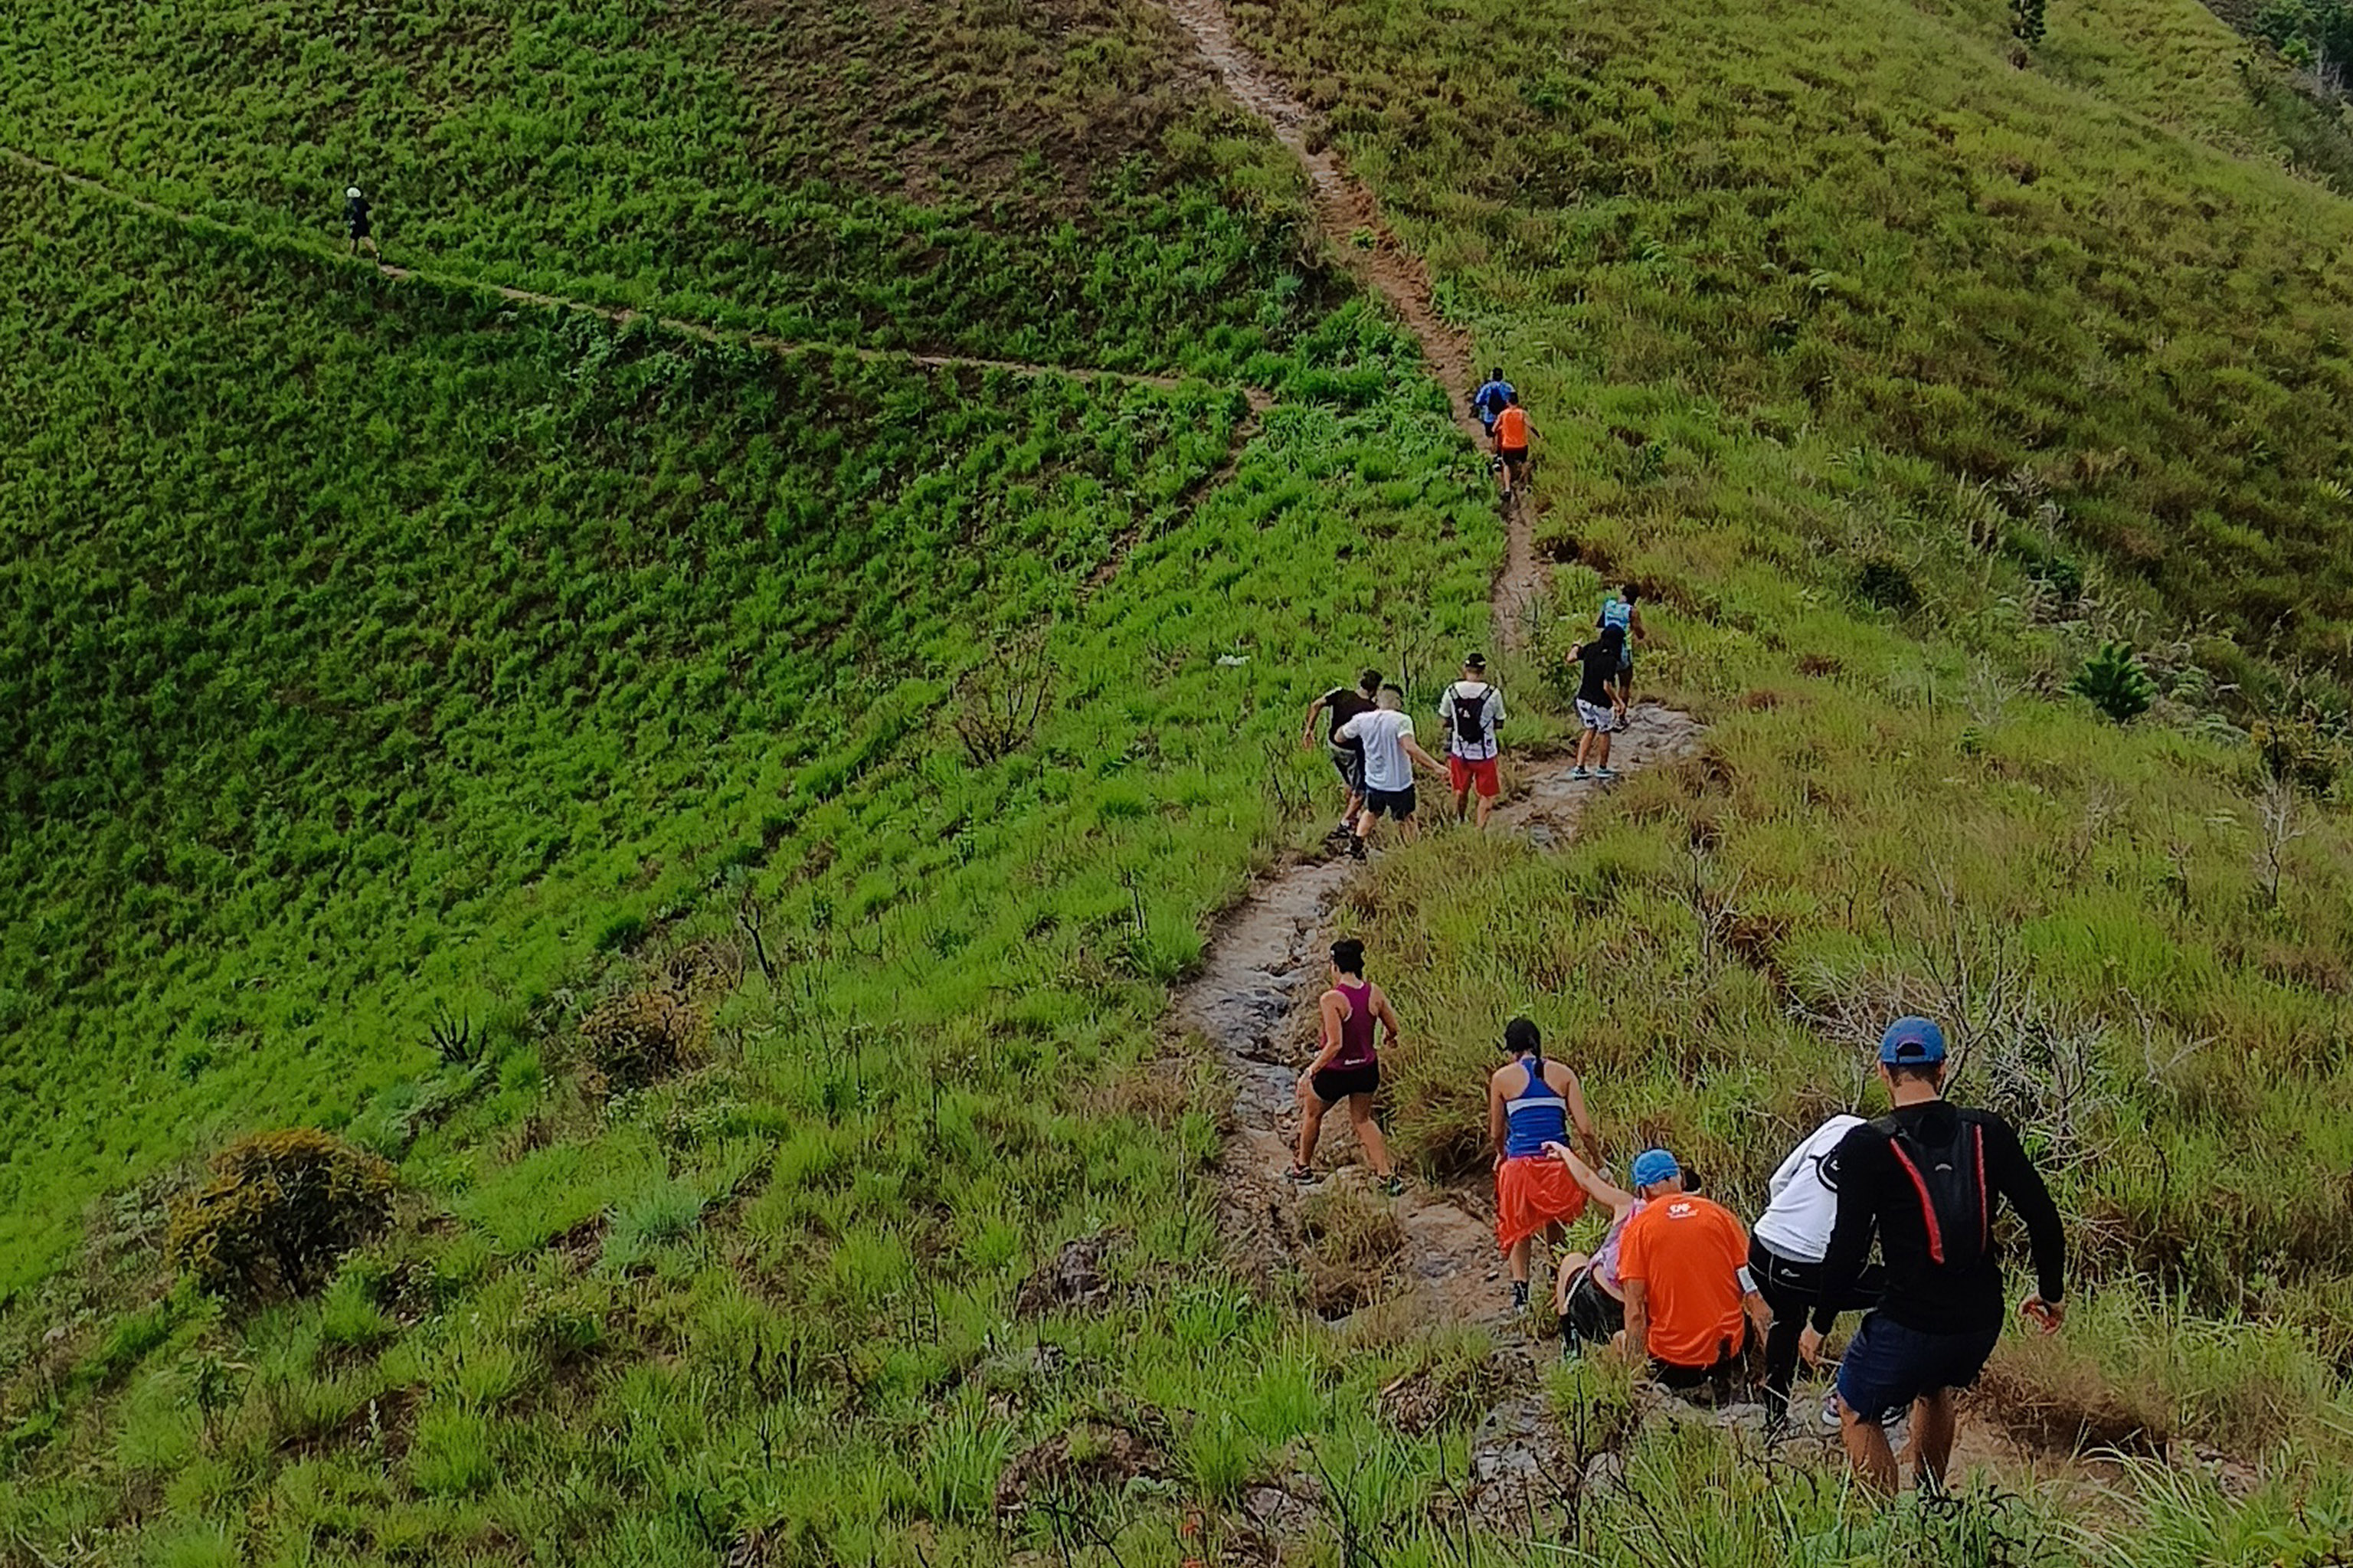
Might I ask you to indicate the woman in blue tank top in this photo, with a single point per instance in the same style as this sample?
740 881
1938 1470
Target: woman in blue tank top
1532 1102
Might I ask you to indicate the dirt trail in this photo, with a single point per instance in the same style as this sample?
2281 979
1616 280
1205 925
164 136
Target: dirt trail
1349 216
1260 399
1252 1000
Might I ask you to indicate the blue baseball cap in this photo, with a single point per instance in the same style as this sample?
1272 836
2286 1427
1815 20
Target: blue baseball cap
1654 1165
1911 1042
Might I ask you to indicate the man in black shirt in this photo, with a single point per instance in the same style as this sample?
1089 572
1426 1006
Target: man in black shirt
1347 756
1925 1177
356 219
1600 699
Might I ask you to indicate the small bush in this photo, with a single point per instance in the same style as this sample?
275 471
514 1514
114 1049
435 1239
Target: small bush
641 1037
2115 682
1889 585
280 1210
621 934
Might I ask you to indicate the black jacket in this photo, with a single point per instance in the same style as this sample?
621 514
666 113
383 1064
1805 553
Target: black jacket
1876 1195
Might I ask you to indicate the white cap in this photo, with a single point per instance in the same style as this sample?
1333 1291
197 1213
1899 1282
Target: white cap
352 193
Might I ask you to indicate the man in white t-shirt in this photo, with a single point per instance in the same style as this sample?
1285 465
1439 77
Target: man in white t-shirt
1787 1246
1471 710
1390 753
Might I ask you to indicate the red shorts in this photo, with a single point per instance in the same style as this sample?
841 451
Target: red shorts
1531 1193
1466 773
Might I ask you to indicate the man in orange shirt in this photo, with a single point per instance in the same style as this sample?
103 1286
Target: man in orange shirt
1512 431
1684 1264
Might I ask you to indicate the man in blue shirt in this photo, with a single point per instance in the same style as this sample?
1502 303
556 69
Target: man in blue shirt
1493 398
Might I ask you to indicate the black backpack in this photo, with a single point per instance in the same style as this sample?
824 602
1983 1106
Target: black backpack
1949 1180
1470 716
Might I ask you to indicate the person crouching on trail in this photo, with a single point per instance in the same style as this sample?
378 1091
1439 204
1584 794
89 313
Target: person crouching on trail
1925 1177
1471 710
1600 700
1390 754
1786 1247
1339 705
1588 1297
1531 1103
1346 1068
1691 1303
356 220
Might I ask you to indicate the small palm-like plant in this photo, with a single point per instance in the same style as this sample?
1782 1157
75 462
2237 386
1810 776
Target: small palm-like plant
2115 682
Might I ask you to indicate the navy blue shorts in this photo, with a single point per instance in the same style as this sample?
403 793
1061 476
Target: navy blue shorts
1887 1365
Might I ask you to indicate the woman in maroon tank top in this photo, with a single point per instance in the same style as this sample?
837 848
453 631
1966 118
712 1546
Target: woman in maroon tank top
1346 1068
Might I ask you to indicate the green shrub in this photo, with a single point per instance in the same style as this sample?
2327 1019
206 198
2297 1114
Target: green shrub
2115 682
280 1210
1888 584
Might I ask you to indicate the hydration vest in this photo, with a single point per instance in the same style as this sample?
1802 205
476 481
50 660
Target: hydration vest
1469 716
1950 1180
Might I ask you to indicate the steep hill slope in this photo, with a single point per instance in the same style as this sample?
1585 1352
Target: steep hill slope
1900 380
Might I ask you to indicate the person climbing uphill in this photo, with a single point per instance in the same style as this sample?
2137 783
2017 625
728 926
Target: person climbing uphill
1588 1297
1691 1305
1511 430
356 220
1341 705
1530 1104
1346 1066
1786 1249
1625 613
1600 700
1470 710
1494 395
1924 1178
1390 753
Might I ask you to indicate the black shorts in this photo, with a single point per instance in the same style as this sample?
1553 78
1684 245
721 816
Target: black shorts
1351 767
1514 456
1333 1085
359 231
1726 1369
1887 1366
1397 803
1591 1314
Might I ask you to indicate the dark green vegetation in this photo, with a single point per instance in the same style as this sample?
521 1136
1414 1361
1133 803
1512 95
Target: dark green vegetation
723 825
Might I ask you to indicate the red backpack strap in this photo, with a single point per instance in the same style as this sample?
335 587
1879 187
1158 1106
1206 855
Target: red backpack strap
1928 1204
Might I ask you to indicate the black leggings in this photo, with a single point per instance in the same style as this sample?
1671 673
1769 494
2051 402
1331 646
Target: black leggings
1792 1289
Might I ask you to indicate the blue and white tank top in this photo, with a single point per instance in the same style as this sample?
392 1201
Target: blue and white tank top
1536 1117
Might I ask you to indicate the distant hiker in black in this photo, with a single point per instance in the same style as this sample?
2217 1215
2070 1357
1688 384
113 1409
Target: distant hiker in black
1339 705
1600 700
1925 1177
355 218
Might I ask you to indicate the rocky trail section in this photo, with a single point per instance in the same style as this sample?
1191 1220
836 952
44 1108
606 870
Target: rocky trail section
1350 220
1254 1001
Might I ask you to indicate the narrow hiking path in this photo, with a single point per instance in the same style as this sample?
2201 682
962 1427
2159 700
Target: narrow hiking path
1260 398
1350 220
1254 1001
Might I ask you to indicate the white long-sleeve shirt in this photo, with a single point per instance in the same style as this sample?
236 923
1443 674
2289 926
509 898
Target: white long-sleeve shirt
1797 1222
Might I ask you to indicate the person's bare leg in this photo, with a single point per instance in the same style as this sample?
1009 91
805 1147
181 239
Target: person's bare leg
1462 806
1935 1420
1867 1451
1368 1134
1602 748
1311 1128
1365 821
1487 804
1519 1258
1409 828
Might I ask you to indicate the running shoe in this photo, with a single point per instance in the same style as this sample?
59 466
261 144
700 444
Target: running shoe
1392 1186
1355 847
1519 1296
1605 773
1302 1176
1580 773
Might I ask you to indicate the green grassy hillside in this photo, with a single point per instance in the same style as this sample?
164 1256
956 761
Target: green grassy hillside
376 651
